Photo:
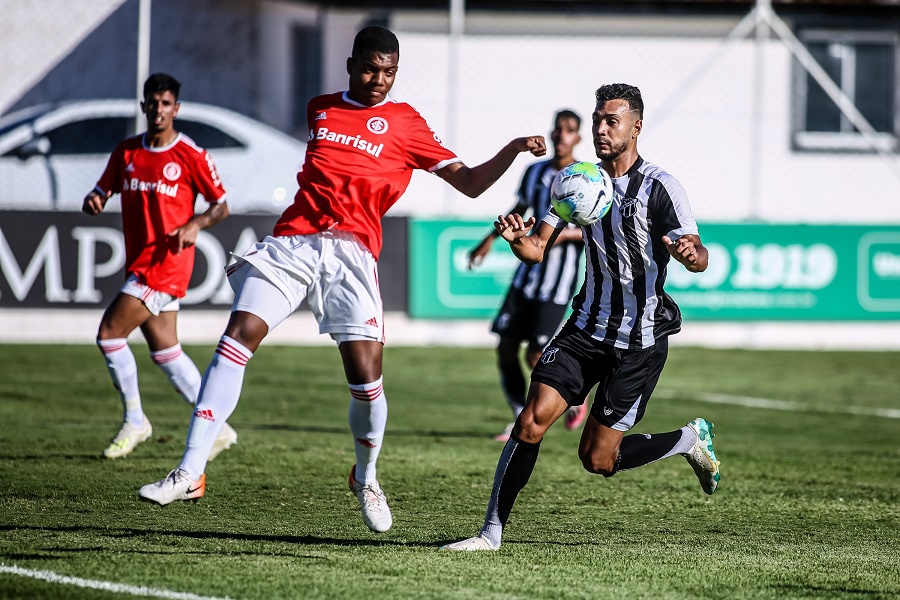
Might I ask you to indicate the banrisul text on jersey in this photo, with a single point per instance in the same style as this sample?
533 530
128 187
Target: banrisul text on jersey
357 141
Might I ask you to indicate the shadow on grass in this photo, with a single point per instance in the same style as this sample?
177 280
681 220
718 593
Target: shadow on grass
344 431
310 540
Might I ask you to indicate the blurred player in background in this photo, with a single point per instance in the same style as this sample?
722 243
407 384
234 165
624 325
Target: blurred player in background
159 175
363 147
617 336
539 294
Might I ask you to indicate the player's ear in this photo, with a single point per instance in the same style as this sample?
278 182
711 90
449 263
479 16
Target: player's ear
177 106
349 65
636 128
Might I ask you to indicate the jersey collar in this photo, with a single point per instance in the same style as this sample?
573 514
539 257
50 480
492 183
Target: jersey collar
161 148
347 99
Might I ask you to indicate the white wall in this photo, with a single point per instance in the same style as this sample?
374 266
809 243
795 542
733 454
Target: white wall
37 35
511 85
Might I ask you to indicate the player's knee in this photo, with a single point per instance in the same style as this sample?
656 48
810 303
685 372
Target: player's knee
528 429
598 463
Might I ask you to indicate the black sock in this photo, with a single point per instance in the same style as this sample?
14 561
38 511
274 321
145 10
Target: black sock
513 471
513 383
642 449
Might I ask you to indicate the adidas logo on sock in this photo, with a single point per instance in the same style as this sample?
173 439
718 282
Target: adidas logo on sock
365 442
205 414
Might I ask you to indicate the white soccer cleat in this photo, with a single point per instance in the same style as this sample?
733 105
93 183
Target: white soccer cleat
473 544
176 486
702 457
372 502
225 440
128 438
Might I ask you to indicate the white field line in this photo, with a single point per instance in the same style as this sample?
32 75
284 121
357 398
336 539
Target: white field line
106 586
890 413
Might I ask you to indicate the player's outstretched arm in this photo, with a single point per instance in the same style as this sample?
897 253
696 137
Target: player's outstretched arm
477 254
689 251
527 242
94 203
186 235
473 181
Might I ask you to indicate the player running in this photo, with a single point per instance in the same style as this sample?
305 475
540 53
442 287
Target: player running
363 147
617 336
159 175
539 293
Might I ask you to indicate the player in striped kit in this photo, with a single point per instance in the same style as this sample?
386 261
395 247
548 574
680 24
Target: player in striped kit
617 336
363 147
539 293
159 175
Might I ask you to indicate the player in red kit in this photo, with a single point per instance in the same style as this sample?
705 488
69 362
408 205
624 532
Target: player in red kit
159 175
362 149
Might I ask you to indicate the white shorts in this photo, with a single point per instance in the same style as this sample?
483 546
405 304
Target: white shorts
332 270
155 301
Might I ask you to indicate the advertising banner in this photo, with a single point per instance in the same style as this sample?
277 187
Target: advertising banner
756 272
70 260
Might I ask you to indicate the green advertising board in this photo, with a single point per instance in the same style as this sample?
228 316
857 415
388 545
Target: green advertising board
756 272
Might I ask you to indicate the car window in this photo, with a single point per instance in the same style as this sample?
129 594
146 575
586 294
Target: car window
89 136
206 136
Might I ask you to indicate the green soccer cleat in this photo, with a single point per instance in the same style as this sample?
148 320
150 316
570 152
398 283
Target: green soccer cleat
702 456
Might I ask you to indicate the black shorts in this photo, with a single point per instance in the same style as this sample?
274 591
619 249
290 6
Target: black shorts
574 363
533 321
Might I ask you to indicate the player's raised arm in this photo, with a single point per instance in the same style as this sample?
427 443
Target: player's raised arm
528 243
473 181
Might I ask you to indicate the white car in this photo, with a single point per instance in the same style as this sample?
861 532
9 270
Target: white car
52 155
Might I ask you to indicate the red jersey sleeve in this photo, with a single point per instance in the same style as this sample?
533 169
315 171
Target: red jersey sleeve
207 180
424 149
111 180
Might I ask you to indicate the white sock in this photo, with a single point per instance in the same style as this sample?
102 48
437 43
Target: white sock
219 395
181 371
368 416
123 370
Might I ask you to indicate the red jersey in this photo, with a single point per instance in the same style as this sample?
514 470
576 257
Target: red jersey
359 160
158 188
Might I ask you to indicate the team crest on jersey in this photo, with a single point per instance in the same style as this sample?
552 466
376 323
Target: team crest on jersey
628 207
172 171
377 125
549 355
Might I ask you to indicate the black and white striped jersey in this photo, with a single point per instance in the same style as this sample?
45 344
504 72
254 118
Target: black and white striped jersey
556 278
622 301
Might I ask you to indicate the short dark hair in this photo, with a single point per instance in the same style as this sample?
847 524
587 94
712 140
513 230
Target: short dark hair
159 83
567 113
374 39
621 91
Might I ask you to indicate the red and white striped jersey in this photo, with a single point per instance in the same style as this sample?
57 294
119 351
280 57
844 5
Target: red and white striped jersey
158 188
359 160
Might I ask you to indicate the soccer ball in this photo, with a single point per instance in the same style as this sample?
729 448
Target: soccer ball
581 193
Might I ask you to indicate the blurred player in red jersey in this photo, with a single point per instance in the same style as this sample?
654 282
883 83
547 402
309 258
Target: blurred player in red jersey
159 175
363 147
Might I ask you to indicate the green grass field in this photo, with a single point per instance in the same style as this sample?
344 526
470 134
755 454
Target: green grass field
807 506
